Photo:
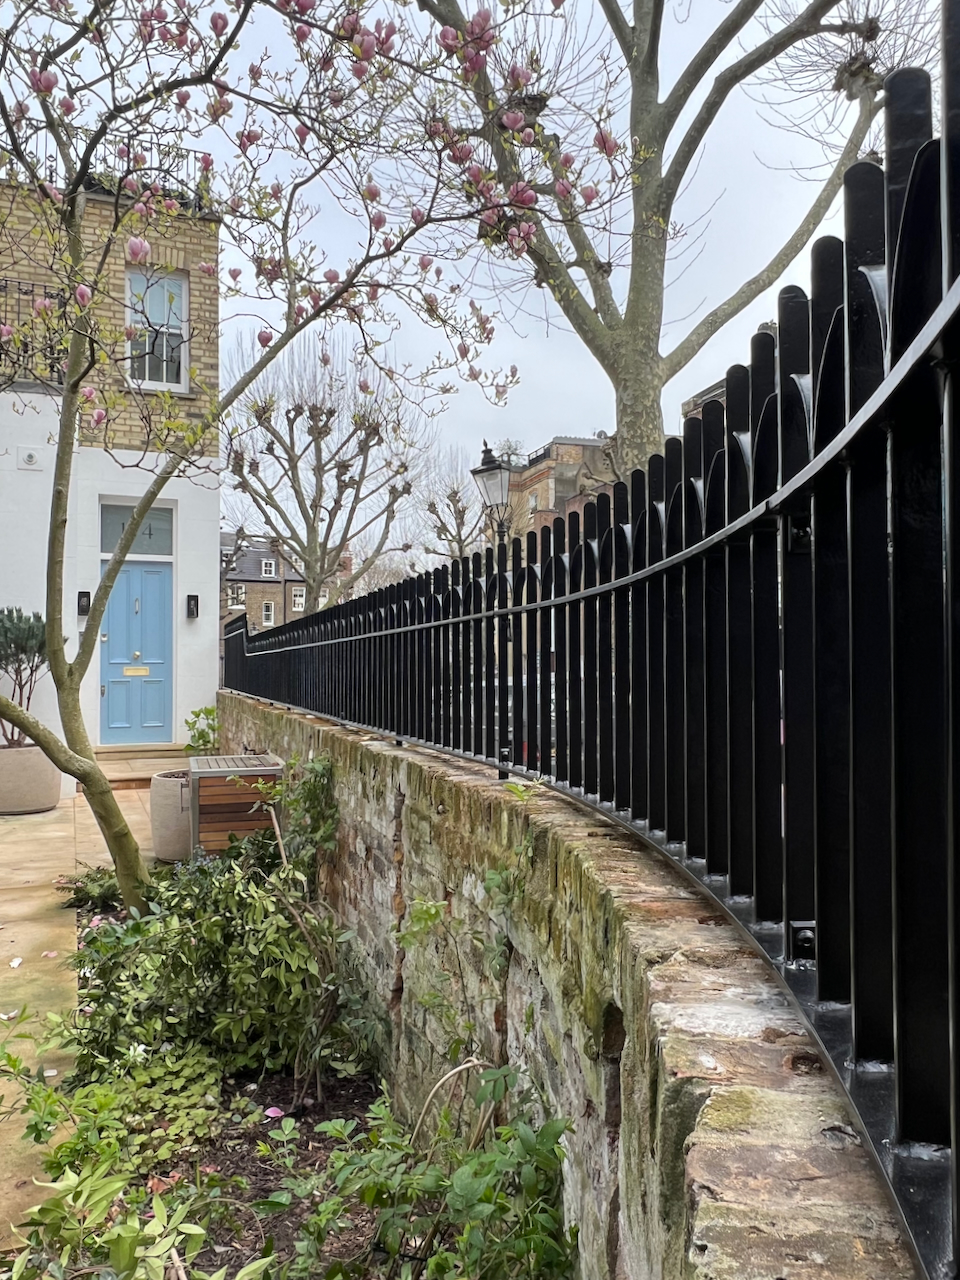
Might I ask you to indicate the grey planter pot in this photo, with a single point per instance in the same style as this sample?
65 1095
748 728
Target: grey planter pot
170 815
29 782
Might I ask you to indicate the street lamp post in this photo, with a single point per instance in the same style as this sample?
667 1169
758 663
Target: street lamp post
493 481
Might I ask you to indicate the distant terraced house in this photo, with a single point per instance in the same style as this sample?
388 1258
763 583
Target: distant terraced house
155 311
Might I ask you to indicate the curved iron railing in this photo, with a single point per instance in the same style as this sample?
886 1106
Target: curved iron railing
749 653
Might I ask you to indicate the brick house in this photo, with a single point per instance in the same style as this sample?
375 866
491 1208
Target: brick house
157 652
259 580
556 475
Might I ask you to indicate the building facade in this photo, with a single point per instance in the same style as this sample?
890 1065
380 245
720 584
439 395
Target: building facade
157 652
556 475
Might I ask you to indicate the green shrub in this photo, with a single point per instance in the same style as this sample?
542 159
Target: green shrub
204 732
94 889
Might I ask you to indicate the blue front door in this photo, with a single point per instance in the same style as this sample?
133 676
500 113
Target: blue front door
136 680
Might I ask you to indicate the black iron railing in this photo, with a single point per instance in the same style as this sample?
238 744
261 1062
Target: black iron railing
749 653
144 160
35 352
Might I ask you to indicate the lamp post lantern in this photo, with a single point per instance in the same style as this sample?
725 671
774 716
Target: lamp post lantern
493 481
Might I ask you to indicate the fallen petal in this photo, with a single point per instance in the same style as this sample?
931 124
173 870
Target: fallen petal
16 962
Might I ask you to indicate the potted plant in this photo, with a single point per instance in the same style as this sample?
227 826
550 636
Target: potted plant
29 781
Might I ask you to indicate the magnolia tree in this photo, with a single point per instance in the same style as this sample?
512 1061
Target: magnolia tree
571 144
324 466
127 126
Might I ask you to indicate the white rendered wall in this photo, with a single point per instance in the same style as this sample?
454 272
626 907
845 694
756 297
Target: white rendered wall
30 426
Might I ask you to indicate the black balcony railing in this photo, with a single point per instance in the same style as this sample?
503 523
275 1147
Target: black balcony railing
35 353
176 170
751 653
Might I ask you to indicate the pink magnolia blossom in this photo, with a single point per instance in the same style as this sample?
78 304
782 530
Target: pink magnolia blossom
255 71
460 152
264 337
299 311
374 291
43 306
463 350
302 33
6 331
315 300
527 137
449 39
67 106
171 206
140 208
207 268
302 132
522 195
304 6
336 97
518 77
589 194
89 394
568 160
235 203
138 250
123 151
562 188
331 275
604 141
512 120
417 216
140 159
235 273
131 185
359 70
276 190
98 418
83 295
183 97
219 23
379 220
490 216
557 4
371 192
364 386
206 162
130 332
425 262
365 46
388 243
43 81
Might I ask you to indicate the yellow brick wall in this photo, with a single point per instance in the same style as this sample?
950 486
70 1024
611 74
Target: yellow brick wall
31 249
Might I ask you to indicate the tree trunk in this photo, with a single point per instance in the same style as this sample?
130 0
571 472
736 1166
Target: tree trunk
128 862
639 416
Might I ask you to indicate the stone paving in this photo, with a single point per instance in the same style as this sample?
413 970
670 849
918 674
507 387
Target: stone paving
34 850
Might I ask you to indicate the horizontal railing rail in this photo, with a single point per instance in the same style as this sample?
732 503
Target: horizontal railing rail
748 654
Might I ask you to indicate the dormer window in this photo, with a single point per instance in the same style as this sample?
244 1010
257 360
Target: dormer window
268 568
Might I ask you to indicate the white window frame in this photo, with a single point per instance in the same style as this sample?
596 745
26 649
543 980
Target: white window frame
297 563
298 599
268 568
266 621
135 319
236 595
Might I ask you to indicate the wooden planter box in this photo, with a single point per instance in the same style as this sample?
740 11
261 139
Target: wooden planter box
222 798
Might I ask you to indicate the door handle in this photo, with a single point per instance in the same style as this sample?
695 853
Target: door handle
103 636
136 654
136 605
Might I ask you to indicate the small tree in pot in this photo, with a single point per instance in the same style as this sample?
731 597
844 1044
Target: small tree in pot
29 782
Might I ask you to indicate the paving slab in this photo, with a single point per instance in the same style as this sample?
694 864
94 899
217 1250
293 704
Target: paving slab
35 849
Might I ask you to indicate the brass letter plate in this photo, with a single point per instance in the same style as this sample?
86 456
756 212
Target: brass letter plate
136 671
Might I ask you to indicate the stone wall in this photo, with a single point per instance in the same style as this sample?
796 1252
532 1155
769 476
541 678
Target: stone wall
708 1141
